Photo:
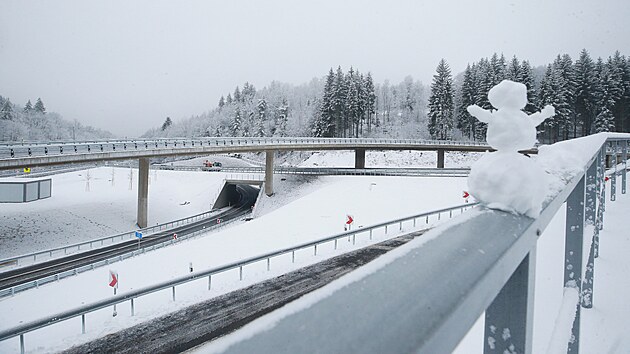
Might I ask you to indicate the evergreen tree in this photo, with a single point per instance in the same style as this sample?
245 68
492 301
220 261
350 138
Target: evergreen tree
483 82
526 77
249 92
283 118
498 69
514 70
585 92
238 98
466 122
39 106
262 117
236 127
221 102
606 92
545 97
441 103
228 99
167 123
370 102
28 107
351 103
565 113
617 68
7 112
324 124
339 94
361 104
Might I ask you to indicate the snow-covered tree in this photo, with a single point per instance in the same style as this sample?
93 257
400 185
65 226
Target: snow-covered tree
585 102
465 122
441 103
339 95
262 117
526 77
236 126
39 106
221 102
167 123
606 95
7 112
237 95
283 118
28 107
514 70
370 100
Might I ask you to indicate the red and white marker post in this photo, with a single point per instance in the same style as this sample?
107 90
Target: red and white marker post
113 282
349 220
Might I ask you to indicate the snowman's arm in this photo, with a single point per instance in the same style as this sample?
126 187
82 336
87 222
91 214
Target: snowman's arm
479 113
539 117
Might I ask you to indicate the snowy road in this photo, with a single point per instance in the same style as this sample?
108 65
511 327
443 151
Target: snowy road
59 265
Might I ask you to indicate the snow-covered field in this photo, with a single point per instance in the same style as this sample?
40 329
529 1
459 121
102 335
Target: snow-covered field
318 209
77 213
303 209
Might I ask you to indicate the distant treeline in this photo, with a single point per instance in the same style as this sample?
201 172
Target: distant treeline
32 122
589 96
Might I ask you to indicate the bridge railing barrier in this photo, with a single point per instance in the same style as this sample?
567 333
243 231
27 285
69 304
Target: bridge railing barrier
35 149
389 229
427 299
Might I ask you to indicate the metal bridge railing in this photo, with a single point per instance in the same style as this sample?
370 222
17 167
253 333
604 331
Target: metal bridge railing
328 171
33 149
131 296
427 300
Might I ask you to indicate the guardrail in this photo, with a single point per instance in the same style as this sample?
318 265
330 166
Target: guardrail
328 171
31 258
66 148
141 250
207 274
484 263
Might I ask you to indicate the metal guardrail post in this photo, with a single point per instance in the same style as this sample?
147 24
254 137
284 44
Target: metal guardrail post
591 193
613 177
509 319
574 235
624 157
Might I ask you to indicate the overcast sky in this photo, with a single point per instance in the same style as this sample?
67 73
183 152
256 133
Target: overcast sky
126 65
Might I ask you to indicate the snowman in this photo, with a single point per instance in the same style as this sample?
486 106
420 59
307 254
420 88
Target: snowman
505 179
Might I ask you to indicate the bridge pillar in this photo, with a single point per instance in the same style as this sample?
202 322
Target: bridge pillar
269 172
143 192
440 158
359 158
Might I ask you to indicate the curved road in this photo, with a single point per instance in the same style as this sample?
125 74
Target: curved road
247 198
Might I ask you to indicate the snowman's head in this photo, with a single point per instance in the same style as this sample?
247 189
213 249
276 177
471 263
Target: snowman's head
508 94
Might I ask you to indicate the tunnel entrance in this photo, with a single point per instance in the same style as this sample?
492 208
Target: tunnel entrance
229 195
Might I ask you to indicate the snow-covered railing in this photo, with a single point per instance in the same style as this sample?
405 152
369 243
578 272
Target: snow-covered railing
328 171
366 232
22 150
427 299
44 255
